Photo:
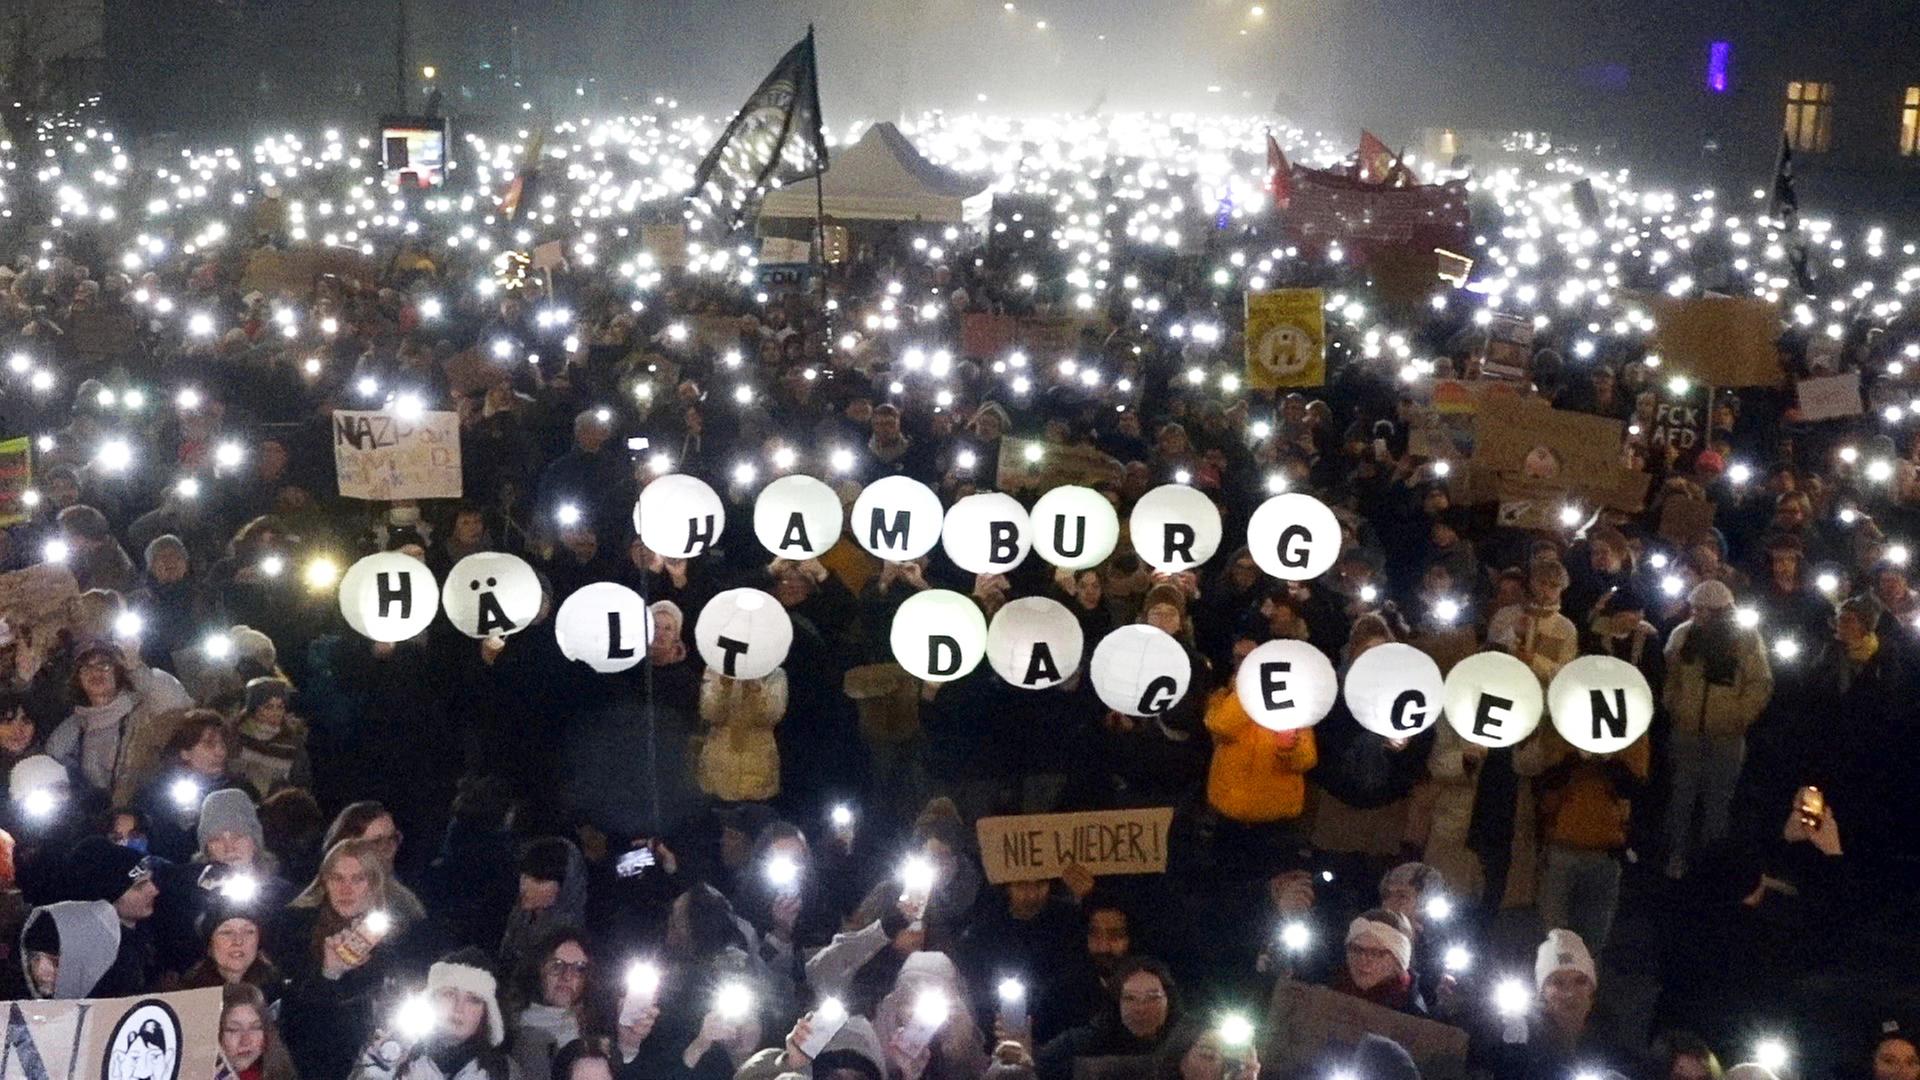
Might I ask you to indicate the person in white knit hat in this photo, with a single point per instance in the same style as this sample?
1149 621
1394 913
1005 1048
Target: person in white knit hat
467 1030
1380 962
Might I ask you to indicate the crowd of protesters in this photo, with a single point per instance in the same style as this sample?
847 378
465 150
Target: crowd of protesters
667 873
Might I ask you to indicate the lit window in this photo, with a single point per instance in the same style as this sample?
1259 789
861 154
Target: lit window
1910 123
1719 58
1810 116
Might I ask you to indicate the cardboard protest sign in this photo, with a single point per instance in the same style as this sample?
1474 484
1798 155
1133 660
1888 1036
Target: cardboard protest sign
1508 351
1286 338
1525 449
667 243
102 334
1830 397
1056 466
1680 421
1303 1020
160 1036
273 272
42 595
1684 518
984 334
1722 340
378 455
1453 267
16 476
551 255
1034 847
778 249
1443 427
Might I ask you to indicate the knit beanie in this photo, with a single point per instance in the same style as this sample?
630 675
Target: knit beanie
99 869
253 646
1711 594
467 970
1417 876
264 689
1563 951
229 810
36 773
1382 936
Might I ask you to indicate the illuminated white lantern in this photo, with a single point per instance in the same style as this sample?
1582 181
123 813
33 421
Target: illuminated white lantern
897 518
1394 690
1034 643
1075 527
1175 527
605 626
1139 670
938 635
1285 685
986 533
797 517
388 596
743 634
1294 537
491 594
1493 699
679 516
1600 704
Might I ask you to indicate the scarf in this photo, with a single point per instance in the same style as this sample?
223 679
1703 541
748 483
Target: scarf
1395 994
103 733
450 1058
1713 644
1864 650
562 1024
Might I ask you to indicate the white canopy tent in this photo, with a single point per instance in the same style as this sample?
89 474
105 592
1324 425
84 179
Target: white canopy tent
883 178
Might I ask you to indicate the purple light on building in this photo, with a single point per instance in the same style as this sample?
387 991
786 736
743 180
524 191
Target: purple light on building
1719 56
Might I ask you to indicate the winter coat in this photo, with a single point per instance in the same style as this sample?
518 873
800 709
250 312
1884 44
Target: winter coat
89 934
269 764
1257 775
1698 706
1456 784
525 928
1551 636
108 745
738 759
388 1060
1586 802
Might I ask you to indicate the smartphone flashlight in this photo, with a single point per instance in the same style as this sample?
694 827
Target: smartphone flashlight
240 888
185 793
1438 909
828 1018
916 875
841 817
39 803
1295 936
1511 997
376 924
1457 959
1013 1004
733 1001
783 873
416 1018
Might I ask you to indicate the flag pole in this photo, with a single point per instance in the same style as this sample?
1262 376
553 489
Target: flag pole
819 197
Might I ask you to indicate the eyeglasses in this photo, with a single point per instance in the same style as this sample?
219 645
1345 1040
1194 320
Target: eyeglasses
557 968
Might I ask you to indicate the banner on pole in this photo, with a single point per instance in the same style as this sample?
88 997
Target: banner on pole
1286 339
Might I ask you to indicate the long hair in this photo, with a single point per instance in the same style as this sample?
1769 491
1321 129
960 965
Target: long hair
352 821
275 1062
388 894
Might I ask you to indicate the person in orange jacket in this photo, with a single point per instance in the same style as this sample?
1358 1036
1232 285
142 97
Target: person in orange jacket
1257 777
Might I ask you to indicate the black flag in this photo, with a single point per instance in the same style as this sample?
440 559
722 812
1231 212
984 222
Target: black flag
774 140
1784 206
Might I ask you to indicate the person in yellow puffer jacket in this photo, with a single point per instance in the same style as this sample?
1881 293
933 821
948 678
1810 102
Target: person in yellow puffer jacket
1257 776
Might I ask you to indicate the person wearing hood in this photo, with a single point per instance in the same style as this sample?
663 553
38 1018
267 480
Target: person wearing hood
1256 779
956 1050
465 1043
854 1053
1134 1022
272 742
1718 682
553 892
99 869
118 705
67 948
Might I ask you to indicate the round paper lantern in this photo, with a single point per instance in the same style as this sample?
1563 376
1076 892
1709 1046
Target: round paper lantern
797 517
1395 690
897 518
388 596
1075 527
1140 671
986 533
743 634
1286 685
938 635
1600 704
1034 643
1493 699
1294 537
491 594
605 626
678 516
1174 528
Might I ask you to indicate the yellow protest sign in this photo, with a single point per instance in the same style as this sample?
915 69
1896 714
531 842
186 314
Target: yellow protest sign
1286 339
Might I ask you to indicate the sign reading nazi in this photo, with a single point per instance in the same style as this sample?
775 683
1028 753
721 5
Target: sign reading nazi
1033 847
379 455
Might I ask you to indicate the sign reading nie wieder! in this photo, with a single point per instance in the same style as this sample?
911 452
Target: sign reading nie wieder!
1033 847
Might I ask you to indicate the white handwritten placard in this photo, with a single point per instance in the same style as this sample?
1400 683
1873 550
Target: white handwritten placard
378 455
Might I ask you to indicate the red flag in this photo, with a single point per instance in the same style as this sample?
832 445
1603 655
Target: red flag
1279 175
1376 161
